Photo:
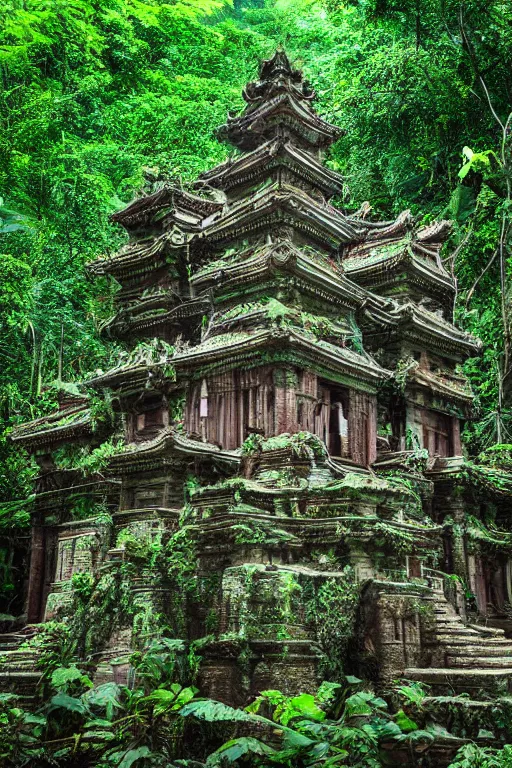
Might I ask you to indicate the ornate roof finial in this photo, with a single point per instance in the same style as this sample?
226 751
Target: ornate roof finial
278 75
278 66
278 104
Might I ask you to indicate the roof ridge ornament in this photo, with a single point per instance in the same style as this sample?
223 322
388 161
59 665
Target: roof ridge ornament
277 75
278 105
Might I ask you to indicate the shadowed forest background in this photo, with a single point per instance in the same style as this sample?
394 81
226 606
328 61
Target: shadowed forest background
99 98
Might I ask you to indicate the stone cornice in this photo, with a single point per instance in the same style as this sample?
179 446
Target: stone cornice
286 206
163 452
283 258
274 154
65 425
233 350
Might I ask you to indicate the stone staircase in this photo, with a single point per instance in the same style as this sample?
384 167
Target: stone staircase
18 671
463 658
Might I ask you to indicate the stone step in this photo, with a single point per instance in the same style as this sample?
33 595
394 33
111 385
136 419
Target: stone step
462 680
9 646
454 622
472 641
494 651
19 653
488 631
452 627
478 662
455 626
11 640
24 667
23 683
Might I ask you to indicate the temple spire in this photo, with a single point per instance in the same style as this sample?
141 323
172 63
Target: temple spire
278 104
279 63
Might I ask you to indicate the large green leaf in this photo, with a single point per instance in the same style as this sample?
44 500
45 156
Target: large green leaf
363 703
106 697
165 700
404 722
299 706
62 676
69 703
132 756
295 740
233 750
215 712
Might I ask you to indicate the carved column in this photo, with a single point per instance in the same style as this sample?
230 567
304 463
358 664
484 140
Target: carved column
362 430
285 410
36 574
457 511
457 445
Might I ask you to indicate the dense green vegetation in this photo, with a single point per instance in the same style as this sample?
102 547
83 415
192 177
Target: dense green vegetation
160 722
99 97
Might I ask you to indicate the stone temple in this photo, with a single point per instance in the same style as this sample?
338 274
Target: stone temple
274 468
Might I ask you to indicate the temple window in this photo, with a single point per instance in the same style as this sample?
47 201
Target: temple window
147 424
332 419
414 567
203 405
438 433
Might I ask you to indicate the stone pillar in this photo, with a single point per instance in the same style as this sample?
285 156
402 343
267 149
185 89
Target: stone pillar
36 574
371 453
362 564
455 508
456 441
362 428
285 410
413 428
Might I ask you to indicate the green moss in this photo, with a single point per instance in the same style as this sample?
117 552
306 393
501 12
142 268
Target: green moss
86 458
331 608
487 537
303 445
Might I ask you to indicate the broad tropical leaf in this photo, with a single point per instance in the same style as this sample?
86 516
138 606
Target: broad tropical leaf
63 701
233 750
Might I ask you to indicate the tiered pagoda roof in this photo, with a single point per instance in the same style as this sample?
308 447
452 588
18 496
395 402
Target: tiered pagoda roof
192 259
160 226
72 421
399 260
155 314
280 344
149 367
167 204
270 158
59 427
163 450
284 205
419 326
451 387
257 268
280 98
